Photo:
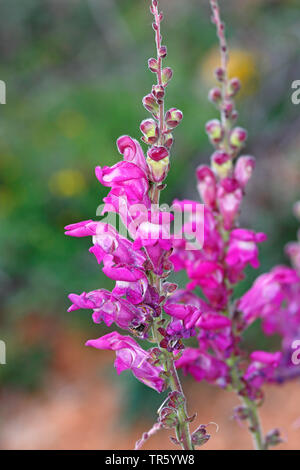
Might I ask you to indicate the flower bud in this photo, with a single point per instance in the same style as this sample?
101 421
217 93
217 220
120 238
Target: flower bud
234 86
228 108
207 186
200 436
214 130
296 209
221 163
158 163
168 417
168 140
238 137
150 130
243 169
163 52
153 65
215 95
158 91
150 104
173 117
166 75
273 438
220 74
157 153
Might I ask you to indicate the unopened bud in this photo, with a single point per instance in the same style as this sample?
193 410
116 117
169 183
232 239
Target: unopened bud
273 438
158 91
150 130
238 137
215 95
234 86
243 169
168 140
153 65
220 74
158 163
228 109
200 436
163 52
296 209
166 75
173 117
168 418
214 130
157 153
150 104
221 163
241 413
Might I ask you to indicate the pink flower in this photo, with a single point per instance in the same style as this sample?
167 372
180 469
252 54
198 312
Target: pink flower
209 276
131 356
207 185
242 250
262 368
271 297
132 152
189 314
203 366
243 169
229 197
108 308
126 177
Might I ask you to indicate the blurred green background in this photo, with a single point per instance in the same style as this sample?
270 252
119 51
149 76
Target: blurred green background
76 72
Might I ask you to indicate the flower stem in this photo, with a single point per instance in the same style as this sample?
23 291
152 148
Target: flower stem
182 429
254 424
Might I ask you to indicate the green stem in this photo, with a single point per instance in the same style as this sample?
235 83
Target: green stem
254 424
183 428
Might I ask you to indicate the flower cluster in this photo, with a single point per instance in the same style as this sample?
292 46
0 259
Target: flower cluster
210 247
139 261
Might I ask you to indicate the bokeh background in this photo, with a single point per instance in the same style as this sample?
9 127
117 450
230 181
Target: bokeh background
75 72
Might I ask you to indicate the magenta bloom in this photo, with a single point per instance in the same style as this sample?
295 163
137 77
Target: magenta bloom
132 152
274 297
203 366
207 185
109 308
230 197
262 368
131 356
242 250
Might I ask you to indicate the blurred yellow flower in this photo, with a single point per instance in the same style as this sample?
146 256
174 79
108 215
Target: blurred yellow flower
242 64
67 183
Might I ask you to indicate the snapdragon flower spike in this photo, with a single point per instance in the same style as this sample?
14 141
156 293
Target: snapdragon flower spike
131 356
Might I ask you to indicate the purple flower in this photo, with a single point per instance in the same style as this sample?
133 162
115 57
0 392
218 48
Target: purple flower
132 151
242 250
229 197
109 308
262 368
203 366
131 356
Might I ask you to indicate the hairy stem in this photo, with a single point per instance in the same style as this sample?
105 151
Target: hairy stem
182 429
254 424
